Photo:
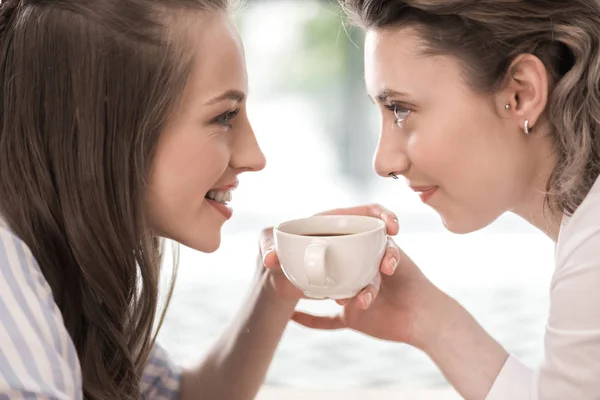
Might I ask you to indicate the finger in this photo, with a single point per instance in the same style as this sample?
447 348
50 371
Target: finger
342 302
370 210
365 298
266 241
267 249
270 260
318 322
390 260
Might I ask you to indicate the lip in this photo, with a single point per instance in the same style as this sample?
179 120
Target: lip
230 186
226 211
425 192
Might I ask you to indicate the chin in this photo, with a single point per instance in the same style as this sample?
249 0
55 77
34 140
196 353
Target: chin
204 235
464 225
208 245
205 242
200 234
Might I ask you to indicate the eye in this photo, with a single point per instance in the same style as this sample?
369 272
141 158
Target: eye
399 111
226 118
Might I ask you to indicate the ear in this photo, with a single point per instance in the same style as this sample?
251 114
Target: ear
525 90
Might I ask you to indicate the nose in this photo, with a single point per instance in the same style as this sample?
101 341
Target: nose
246 154
391 157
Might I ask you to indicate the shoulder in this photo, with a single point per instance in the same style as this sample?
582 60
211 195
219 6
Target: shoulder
570 368
36 352
162 377
19 268
581 232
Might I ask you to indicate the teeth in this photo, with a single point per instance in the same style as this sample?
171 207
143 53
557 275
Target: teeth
219 196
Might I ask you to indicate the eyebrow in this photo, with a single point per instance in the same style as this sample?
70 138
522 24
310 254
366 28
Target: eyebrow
234 95
385 94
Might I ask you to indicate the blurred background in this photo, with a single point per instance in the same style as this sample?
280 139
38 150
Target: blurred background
318 130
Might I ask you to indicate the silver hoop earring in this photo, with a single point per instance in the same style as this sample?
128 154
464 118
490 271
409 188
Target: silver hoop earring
526 127
393 175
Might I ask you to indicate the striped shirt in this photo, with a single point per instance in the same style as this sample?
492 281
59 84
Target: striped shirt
37 356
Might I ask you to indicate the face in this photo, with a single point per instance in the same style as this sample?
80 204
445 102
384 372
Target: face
207 144
453 146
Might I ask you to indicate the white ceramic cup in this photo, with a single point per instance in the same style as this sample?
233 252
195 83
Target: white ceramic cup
336 266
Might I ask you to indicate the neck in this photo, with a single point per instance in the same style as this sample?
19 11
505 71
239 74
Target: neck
533 207
541 216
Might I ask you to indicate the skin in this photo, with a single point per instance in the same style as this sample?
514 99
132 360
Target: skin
474 150
207 144
465 142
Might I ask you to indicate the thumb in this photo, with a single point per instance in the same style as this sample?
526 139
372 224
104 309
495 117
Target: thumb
267 249
319 322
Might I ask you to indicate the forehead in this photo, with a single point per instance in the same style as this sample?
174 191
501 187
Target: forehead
395 58
387 42
219 57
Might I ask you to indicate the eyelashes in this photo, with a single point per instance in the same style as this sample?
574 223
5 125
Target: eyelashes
400 112
226 118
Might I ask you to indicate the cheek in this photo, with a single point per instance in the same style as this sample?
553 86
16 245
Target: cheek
438 151
183 171
455 150
462 146
192 165
474 164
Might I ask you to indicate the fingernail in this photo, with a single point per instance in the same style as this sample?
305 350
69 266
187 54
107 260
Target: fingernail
393 264
395 220
368 298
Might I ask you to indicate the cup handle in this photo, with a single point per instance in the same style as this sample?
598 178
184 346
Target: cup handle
314 264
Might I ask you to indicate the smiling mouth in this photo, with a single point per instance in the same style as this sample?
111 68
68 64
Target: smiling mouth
220 196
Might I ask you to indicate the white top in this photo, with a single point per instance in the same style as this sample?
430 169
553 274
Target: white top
571 366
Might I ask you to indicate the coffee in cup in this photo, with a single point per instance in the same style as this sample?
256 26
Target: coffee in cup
331 256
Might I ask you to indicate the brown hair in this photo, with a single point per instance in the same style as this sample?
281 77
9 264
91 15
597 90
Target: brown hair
487 35
86 87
